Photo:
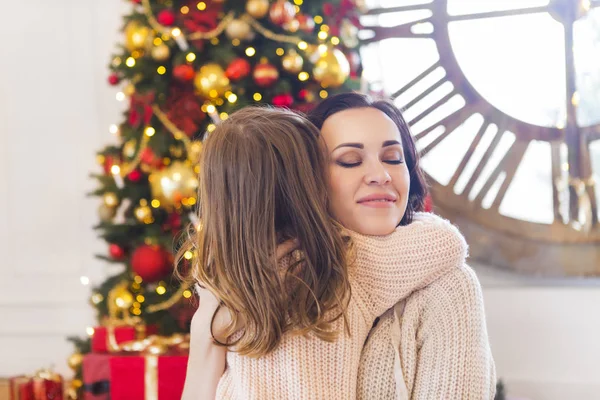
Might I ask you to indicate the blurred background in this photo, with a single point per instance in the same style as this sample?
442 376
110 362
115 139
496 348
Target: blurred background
104 105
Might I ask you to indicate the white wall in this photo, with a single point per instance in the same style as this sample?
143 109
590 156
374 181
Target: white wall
544 334
55 109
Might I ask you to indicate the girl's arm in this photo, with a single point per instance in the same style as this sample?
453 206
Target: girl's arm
207 360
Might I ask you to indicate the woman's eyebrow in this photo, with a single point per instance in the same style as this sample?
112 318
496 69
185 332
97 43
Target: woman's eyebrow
355 145
390 143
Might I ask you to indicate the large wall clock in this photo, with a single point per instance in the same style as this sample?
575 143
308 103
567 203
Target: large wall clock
503 98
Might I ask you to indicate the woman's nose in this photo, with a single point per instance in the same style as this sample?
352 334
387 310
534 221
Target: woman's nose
377 174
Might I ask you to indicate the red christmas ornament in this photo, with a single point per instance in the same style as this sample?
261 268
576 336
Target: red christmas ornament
140 109
151 262
184 72
116 251
265 74
344 10
283 100
307 24
282 12
183 109
136 1
205 20
114 79
166 17
428 206
307 95
109 161
302 94
149 158
135 175
173 222
238 69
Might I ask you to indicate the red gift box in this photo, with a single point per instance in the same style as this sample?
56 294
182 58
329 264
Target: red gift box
45 385
147 377
21 388
126 333
96 376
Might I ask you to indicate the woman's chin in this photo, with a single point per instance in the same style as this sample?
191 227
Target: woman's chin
376 228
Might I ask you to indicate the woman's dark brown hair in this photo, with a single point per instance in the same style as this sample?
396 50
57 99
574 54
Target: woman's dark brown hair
262 182
346 101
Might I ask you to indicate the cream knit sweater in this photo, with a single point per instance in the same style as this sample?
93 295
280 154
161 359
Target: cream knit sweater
386 270
432 346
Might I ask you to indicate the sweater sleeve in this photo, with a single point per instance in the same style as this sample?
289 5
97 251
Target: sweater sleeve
454 360
387 269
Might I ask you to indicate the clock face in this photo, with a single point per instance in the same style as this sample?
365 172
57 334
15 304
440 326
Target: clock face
503 99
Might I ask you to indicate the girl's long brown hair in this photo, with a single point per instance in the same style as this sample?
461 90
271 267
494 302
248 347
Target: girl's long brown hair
262 181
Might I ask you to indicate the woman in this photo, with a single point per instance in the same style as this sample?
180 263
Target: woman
437 339
372 205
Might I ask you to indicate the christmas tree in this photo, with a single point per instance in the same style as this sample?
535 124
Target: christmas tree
183 67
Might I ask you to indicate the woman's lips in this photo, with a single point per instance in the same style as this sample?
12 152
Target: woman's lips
378 200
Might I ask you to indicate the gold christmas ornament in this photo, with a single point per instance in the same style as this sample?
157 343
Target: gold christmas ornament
110 199
174 183
143 214
76 383
161 52
176 151
332 68
129 149
292 62
96 299
75 360
211 82
106 213
239 29
194 152
129 90
100 159
137 36
122 297
257 8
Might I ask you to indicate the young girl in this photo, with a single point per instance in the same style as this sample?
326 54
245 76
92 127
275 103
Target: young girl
296 328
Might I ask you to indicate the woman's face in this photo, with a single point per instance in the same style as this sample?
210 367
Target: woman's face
368 178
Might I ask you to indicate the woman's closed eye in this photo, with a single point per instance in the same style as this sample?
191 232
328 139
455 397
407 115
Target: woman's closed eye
353 159
345 164
349 161
394 161
393 157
